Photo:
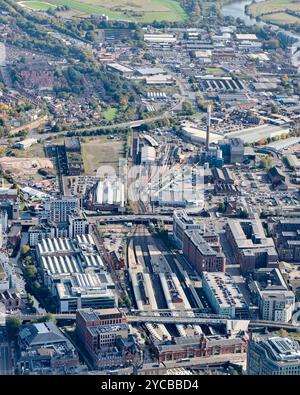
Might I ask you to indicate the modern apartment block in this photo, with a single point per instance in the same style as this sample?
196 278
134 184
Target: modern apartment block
181 223
273 355
275 301
75 225
58 210
78 225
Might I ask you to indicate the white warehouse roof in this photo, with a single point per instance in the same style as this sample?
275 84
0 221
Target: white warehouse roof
197 135
148 154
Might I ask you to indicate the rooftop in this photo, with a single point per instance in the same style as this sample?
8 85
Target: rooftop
225 290
280 349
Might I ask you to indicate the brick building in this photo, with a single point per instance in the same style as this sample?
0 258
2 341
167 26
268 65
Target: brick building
106 338
195 347
203 251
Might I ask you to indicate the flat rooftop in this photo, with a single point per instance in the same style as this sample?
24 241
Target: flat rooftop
201 244
225 290
282 349
254 134
258 238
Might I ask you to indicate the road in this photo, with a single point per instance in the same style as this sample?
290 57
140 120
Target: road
129 218
5 354
99 243
5 360
122 125
32 125
24 240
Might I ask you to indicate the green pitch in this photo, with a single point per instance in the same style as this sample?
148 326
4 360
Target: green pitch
37 5
133 10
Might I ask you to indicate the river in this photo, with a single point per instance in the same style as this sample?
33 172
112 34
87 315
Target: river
236 9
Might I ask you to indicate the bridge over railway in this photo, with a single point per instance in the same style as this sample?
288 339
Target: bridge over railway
192 317
138 218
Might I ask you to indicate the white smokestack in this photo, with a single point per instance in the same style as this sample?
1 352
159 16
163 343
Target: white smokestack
208 119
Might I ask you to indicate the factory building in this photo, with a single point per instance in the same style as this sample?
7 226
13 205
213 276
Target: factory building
192 133
273 355
74 272
293 162
148 155
257 133
233 150
159 38
106 195
120 69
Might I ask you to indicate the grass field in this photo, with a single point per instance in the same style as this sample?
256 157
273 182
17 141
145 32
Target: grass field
275 11
280 18
110 114
142 10
96 153
214 70
37 5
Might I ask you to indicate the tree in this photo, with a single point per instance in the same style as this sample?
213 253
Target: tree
221 208
30 272
125 301
46 318
28 260
187 108
274 109
285 79
266 162
25 250
244 214
13 324
30 299
124 101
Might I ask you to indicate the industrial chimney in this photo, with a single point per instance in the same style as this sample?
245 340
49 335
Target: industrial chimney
208 127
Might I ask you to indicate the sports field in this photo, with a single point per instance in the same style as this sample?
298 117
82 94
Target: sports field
276 11
37 5
139 10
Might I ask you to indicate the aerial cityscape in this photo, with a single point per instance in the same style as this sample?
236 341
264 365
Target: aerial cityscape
149 188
